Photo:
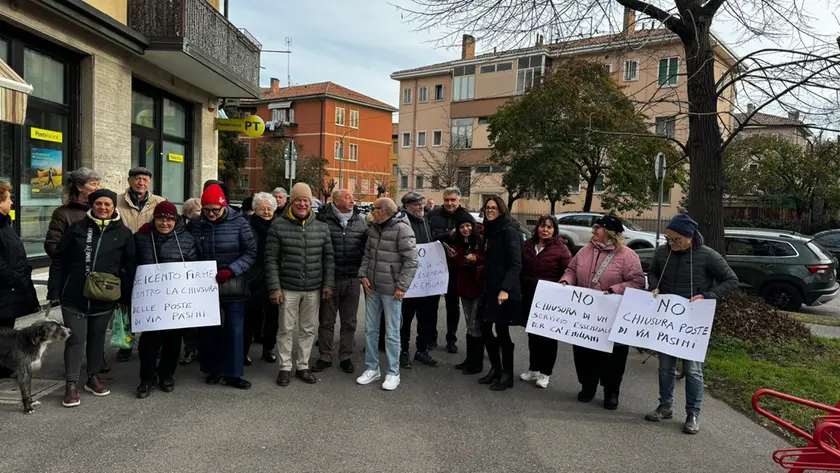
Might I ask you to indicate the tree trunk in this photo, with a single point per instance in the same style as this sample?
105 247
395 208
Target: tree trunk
511 199
553 202
590 191
704 141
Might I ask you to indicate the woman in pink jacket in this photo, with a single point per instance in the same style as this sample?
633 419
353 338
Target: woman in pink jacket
607 265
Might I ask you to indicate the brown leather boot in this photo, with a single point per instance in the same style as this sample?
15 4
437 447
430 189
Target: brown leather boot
96 387
283 378
71 395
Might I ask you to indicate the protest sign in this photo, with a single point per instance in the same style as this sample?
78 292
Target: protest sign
175 295
432 276
574 315
668 324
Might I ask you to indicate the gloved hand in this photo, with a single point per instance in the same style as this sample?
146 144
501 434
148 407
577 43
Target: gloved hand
223 275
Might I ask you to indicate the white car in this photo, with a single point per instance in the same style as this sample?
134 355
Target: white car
576 227
526 234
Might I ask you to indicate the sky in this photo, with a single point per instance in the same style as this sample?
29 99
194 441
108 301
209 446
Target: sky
359 43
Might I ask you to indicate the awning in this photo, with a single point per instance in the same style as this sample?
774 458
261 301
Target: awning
280 105
14 93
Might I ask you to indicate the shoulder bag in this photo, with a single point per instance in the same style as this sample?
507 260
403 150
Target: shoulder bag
98 286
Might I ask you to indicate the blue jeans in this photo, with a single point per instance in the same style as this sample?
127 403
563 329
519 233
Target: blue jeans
374 304
693 383
222 348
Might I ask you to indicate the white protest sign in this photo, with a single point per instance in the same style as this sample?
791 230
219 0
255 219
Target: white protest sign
668 324
574 315
432 276
175 295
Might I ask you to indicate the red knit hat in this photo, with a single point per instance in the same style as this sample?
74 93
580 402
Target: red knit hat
213 195
166 209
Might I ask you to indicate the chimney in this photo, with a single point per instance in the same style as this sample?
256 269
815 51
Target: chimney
750 108
793 115
539 40
275 85
467 47
629 21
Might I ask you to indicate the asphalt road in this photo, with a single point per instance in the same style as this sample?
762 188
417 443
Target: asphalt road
438 420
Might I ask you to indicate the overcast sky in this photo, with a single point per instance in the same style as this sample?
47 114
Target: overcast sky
359 43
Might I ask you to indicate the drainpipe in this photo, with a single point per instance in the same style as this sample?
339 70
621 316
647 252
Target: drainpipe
227 8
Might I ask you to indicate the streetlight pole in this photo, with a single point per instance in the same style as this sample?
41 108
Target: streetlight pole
341 161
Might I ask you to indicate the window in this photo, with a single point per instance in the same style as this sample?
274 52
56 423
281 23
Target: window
439 92
339 116
488 169
829 240
354 119
418 182
352 182
337 153
407 96
244 181
464 181
406 139
436 182
607 68
666 126
576 220
462 133
599 185
421 139
528 73
488 69
483 120
464 83
403 182
575 190
395 169
421 94
354 152
396 146
666 196
504 66
437 137
631 70
45 74
668 70
283 115
365 186
736 246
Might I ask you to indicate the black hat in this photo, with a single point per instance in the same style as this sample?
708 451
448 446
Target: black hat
610 222
102 193
411 197
247 204
139 171
462 217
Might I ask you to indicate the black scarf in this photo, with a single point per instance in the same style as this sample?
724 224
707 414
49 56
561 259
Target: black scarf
494 226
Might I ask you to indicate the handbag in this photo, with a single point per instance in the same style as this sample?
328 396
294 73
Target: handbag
99 286
121 336
235 288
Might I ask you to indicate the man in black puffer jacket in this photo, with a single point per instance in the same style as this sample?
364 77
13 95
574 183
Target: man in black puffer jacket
348 232
164 240
444 220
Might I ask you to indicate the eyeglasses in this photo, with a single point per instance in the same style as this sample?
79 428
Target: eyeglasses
162 218
212 211
673 239
491 209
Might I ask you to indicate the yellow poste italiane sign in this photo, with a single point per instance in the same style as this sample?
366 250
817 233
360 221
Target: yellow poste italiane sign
46 135
252 125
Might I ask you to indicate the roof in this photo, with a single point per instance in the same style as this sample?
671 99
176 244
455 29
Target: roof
609 41
765 119
320 89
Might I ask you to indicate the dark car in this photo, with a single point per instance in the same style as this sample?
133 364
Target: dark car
830 240
787 269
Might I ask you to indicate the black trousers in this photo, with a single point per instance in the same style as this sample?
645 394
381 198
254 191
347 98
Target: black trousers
190 340
262 320
593 366
498 344
425 309
169 344
6 323
453 310
542 354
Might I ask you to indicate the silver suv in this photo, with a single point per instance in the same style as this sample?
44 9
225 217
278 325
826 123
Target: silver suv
576 227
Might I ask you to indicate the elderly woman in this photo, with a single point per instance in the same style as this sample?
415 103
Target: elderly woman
95 249
607 265
261 316
224 236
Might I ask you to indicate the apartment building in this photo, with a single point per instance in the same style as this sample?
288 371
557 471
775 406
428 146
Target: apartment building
318 117
790 127
444 108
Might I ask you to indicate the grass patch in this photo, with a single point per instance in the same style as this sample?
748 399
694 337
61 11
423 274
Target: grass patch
808 368
816 319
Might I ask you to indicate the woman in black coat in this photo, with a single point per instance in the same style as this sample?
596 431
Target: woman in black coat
164 240
17 293
261 316
499 304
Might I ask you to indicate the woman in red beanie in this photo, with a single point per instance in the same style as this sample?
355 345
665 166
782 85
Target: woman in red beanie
223 235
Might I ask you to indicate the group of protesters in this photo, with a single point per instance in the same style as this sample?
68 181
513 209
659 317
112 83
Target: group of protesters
288 271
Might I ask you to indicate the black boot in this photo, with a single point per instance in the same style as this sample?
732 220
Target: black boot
492 376
470 354
475 356
506 381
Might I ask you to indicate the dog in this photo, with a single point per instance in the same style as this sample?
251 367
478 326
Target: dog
22 351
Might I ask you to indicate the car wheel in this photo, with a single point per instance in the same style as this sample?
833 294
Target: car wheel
782 295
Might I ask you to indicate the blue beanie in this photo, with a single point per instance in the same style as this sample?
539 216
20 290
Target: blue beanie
683 224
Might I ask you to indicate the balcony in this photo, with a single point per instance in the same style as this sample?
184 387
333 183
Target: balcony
193 41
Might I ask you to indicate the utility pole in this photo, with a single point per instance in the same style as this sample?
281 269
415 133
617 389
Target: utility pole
290 155
659 169
341 161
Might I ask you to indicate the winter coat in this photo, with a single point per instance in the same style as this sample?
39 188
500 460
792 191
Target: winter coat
625 269
442 222
420 227
131 215
17 292
502 269
469 274
348 242
390 258
673 272
173 247
547 265
114 251
228 241
298 254
62 218
256 274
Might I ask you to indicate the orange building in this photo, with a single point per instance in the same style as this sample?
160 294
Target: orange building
317 117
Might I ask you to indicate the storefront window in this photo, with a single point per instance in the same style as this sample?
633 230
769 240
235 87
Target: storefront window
7 159
173 172
45 74
4 50
142 110
149 146
174 119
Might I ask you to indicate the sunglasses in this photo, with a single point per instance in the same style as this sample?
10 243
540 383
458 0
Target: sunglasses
212 211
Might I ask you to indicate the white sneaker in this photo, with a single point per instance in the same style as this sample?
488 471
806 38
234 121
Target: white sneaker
368 377
391 382
529 376
542 380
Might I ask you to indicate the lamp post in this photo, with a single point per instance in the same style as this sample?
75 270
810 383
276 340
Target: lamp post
659 169
341 160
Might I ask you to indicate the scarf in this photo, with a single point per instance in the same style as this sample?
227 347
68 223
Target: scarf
136 200
100 222
294 218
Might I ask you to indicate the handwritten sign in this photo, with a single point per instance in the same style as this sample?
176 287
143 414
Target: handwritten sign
175 295
668 324
573 315
432 277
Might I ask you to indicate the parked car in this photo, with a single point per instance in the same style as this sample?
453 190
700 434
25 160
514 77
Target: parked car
830 240
576 227
787 269
526 234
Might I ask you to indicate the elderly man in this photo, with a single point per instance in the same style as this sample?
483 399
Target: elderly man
280 195
388 267
430 205
349 234
443 222
299 270
424 307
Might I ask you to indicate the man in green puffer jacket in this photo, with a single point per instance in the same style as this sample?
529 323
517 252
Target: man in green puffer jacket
299 265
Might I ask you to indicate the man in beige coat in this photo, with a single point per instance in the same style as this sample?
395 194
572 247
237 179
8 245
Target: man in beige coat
136 207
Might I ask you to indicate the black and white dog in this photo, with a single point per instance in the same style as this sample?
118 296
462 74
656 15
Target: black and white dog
23 350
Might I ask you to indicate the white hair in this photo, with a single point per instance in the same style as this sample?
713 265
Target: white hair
191 205
278 190
452 191
260 197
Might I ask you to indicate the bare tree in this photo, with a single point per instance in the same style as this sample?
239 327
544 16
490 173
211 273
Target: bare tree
514 22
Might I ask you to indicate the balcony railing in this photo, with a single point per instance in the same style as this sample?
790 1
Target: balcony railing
196 24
